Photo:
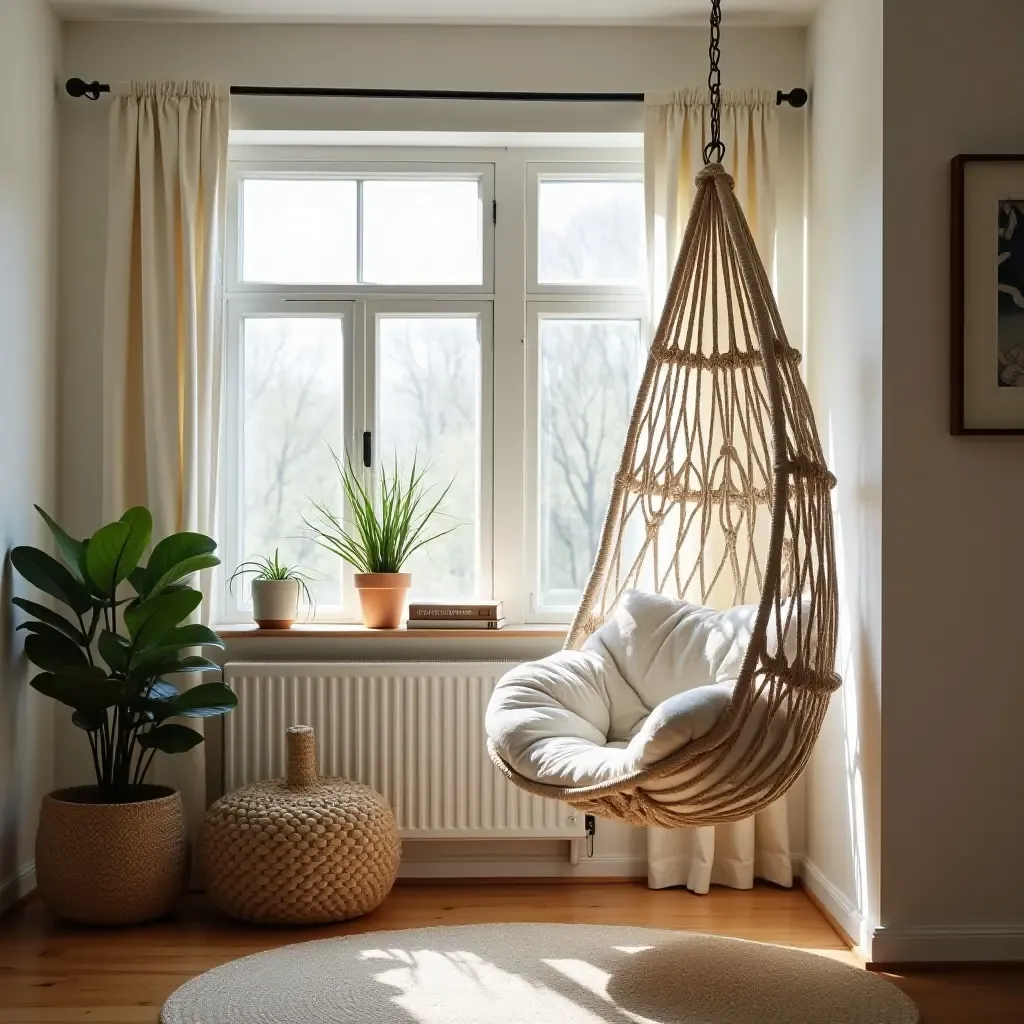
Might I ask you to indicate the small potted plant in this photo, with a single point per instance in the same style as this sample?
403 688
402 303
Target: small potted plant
381 537
117 852
276 587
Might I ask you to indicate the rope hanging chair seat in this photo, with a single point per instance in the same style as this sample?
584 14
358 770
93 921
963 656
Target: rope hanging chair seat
613 714
700 662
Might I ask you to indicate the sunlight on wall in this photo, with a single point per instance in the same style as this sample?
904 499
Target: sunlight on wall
850 694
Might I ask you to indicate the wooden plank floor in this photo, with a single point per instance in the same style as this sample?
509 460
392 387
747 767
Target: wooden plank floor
58 974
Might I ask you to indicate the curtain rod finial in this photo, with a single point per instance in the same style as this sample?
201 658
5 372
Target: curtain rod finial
795 97
78 87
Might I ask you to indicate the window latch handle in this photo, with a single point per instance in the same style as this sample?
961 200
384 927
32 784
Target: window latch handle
367 449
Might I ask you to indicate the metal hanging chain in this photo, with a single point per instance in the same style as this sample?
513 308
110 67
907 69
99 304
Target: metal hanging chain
714 151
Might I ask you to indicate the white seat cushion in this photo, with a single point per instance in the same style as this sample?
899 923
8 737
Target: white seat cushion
657 675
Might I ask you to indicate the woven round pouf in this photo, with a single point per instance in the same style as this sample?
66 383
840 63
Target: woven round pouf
300 850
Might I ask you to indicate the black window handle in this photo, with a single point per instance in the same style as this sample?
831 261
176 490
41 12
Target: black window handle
367 449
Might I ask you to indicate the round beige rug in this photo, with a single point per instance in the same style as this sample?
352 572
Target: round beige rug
536 974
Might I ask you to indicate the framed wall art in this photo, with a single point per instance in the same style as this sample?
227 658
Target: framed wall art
987 293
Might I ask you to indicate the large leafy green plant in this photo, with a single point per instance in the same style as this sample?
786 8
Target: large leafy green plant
123 633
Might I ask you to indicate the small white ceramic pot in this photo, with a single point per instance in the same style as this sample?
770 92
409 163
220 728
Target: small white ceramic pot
275 603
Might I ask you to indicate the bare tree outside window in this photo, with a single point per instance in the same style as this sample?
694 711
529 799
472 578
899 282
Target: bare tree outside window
589 372
428 406
292 384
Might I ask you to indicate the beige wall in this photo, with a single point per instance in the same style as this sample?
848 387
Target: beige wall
953 590
28 57
844 367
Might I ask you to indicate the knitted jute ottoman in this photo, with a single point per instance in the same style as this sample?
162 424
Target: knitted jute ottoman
301 850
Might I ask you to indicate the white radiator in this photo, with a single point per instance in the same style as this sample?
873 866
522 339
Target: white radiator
413 731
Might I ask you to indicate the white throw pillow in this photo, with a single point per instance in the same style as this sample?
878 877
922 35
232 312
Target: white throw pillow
662 646
655 676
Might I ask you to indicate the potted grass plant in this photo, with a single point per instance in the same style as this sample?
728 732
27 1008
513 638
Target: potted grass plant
381 536
116 851
276 588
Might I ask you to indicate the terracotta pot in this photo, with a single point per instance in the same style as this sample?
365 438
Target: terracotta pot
382 597
104 863
275 603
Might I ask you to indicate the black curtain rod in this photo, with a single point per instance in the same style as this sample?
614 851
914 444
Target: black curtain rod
78 88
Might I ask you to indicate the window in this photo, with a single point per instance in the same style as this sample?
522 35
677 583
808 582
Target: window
399 298
289 403
299 231
585 356
590 231
430 372
422 232
588 367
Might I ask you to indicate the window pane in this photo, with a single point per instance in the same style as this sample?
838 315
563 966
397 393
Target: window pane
299 231
590 232
428 406
422 232
589 373
293 410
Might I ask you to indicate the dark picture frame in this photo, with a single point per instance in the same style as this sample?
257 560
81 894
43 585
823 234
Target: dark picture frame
986 321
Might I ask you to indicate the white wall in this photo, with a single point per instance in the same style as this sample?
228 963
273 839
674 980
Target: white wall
919 848
844 364
562 59
953 693
28 60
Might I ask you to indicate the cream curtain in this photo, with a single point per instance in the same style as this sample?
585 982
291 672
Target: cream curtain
163 345
676 127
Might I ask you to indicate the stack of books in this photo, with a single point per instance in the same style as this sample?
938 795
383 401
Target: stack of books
452 615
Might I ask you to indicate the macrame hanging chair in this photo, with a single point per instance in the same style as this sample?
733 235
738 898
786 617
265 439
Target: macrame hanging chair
722 498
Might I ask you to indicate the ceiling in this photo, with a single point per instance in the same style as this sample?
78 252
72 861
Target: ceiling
501 12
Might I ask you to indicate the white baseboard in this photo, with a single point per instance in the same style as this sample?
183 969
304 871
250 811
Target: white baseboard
841 907
924 944
957 943
18 886
524 867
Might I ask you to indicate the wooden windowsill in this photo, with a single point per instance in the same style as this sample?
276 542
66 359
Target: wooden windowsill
354 631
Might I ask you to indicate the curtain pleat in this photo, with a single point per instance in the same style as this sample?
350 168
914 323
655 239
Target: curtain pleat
163 331
677 126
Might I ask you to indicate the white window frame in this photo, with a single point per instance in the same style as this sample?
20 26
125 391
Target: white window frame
537 311
508 554
279 166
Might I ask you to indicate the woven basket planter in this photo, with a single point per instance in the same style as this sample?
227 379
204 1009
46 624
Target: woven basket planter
104 863
299 850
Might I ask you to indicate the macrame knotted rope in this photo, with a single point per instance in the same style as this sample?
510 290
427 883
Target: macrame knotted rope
722 498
